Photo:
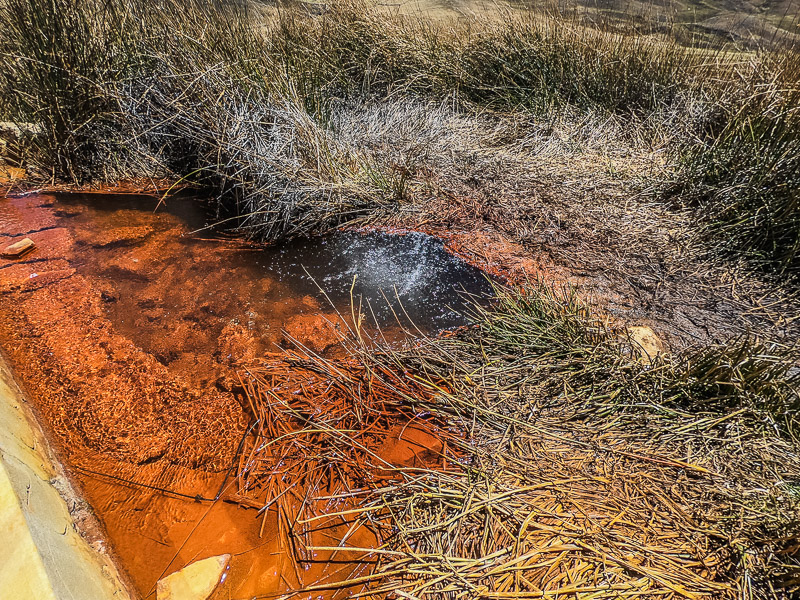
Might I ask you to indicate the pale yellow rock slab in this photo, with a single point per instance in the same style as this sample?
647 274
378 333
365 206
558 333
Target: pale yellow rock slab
195 581
646 341
22 572
19 248
42 554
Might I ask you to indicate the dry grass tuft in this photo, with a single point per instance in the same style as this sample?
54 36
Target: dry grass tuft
262 109
577 469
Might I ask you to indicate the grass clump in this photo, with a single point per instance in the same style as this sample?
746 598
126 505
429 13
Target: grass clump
60 58
588 471
745 180
548 347
583 468
512 62
565 413
246 104
190 92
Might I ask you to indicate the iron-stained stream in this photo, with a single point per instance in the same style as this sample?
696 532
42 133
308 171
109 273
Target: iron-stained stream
195 299
128 324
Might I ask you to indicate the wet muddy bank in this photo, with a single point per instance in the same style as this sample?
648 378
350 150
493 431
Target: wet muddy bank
128 333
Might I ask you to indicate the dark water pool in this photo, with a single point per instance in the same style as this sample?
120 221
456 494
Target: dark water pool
194 297
408 277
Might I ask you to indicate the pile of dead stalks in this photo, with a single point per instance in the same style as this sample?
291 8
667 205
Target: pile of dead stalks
565 466
325 431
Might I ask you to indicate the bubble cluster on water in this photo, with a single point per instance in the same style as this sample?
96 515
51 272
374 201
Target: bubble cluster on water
409 275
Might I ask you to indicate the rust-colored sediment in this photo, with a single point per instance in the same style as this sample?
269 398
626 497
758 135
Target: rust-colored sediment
128 337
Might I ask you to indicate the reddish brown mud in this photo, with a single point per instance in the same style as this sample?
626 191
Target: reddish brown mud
127 334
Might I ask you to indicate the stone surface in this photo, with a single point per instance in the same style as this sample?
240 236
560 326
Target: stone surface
21 570
646 342
195 581
19 248
42 555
